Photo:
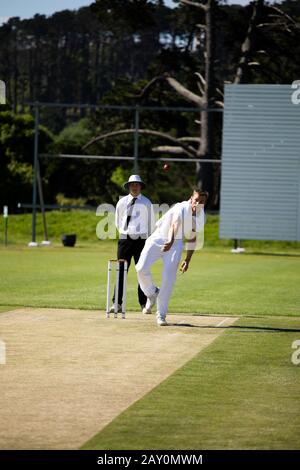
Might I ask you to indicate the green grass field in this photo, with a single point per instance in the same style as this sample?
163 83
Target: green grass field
218 282
240 392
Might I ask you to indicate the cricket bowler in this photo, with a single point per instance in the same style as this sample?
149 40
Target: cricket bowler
182 223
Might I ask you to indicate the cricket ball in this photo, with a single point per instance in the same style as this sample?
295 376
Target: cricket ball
166 167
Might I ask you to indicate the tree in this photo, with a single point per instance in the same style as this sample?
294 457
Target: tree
203 144
147 54
16 148
205 99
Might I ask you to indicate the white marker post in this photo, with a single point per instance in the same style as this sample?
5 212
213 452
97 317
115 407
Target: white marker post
5 215
2 92
2 353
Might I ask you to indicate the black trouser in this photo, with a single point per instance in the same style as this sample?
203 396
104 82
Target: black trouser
128 248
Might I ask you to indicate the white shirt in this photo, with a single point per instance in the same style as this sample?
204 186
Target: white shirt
188 224
142 220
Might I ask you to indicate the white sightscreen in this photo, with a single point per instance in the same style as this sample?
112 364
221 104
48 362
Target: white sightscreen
260 185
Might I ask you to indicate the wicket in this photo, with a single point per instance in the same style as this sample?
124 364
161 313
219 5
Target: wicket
108 291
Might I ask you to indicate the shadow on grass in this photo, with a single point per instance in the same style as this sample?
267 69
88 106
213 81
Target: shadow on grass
236 327
265 253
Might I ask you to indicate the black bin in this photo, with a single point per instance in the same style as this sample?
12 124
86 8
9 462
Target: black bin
68 240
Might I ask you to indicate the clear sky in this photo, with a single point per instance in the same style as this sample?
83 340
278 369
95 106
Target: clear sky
28 8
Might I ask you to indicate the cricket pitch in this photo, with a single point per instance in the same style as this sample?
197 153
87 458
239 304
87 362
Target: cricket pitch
68 373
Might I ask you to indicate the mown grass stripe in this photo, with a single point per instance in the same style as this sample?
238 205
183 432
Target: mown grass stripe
217 283
242 392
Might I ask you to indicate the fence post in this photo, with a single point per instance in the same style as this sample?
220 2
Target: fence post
136 139
35 169
5 215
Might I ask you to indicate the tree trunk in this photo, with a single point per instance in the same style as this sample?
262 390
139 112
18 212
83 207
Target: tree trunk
249 43
205 171
15 73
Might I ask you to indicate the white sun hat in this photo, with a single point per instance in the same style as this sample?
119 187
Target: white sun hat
134 179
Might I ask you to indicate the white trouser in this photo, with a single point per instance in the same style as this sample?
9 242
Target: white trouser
151 253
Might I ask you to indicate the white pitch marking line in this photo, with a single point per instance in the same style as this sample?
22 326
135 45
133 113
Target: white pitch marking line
221 323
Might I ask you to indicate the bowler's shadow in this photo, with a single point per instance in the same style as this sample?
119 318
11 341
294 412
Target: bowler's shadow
244 328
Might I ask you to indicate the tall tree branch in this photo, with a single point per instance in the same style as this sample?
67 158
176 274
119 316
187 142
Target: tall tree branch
282 13
169 149
190 139
201 78
180 89
247 46
184 92
194 4
187 148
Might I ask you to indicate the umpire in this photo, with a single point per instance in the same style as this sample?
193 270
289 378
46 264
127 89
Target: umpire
135 222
